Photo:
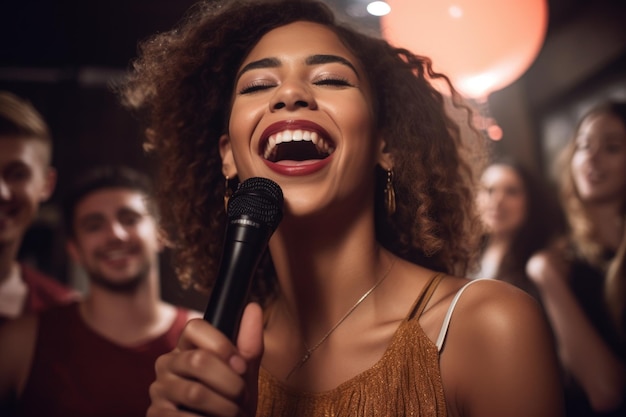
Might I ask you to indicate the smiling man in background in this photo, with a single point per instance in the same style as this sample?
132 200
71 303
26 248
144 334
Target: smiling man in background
26 180
96 357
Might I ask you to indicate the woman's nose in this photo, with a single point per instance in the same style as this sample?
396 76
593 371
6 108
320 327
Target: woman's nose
496 198
292 96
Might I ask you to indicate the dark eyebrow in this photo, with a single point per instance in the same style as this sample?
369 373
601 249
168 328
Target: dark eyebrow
326 59
262 63
89 218
127 210
311 60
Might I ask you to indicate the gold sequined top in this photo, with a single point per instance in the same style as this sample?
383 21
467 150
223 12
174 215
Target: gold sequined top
406 381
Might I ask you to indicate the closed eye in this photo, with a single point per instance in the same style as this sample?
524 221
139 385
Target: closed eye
91 223
338 82
256 86
614 146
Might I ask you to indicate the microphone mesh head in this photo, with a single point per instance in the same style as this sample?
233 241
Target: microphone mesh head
259 199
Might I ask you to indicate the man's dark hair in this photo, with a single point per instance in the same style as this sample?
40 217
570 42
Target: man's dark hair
104 177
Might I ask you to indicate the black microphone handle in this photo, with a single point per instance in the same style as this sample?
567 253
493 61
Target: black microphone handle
244 245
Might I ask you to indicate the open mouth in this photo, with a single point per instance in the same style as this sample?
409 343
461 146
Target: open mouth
117 253
297 145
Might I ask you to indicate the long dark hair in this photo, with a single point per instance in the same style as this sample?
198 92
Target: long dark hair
543 222
582 232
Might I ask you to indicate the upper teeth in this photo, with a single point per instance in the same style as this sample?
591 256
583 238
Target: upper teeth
296 136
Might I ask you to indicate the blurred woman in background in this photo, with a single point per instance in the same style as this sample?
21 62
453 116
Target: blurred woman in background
520 218
582 280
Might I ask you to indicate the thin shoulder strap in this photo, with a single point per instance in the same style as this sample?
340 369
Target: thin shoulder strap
446 321
424 297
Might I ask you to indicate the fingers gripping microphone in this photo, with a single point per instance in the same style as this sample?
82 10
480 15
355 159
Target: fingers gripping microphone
254 211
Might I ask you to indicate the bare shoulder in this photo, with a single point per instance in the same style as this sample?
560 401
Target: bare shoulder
497 349
17 346
170 311
493 308
480 311
481 297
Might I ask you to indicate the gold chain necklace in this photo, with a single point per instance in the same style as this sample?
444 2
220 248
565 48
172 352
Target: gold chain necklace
310 350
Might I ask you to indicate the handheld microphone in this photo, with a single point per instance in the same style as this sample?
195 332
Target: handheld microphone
254 211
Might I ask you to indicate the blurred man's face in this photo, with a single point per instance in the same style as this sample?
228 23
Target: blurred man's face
25 181
115 238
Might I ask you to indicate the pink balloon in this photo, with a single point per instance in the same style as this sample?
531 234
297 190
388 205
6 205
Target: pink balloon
482 45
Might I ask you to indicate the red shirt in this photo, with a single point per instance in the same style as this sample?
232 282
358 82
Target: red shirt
44 291
77 372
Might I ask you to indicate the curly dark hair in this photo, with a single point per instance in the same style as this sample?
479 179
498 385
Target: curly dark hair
182 83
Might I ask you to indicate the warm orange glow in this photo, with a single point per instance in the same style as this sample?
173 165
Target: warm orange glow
494 132
482 45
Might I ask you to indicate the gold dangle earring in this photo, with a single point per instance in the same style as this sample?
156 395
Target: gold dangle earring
228 192
390 194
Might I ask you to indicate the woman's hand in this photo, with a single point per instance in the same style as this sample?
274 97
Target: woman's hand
548 267
206 374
